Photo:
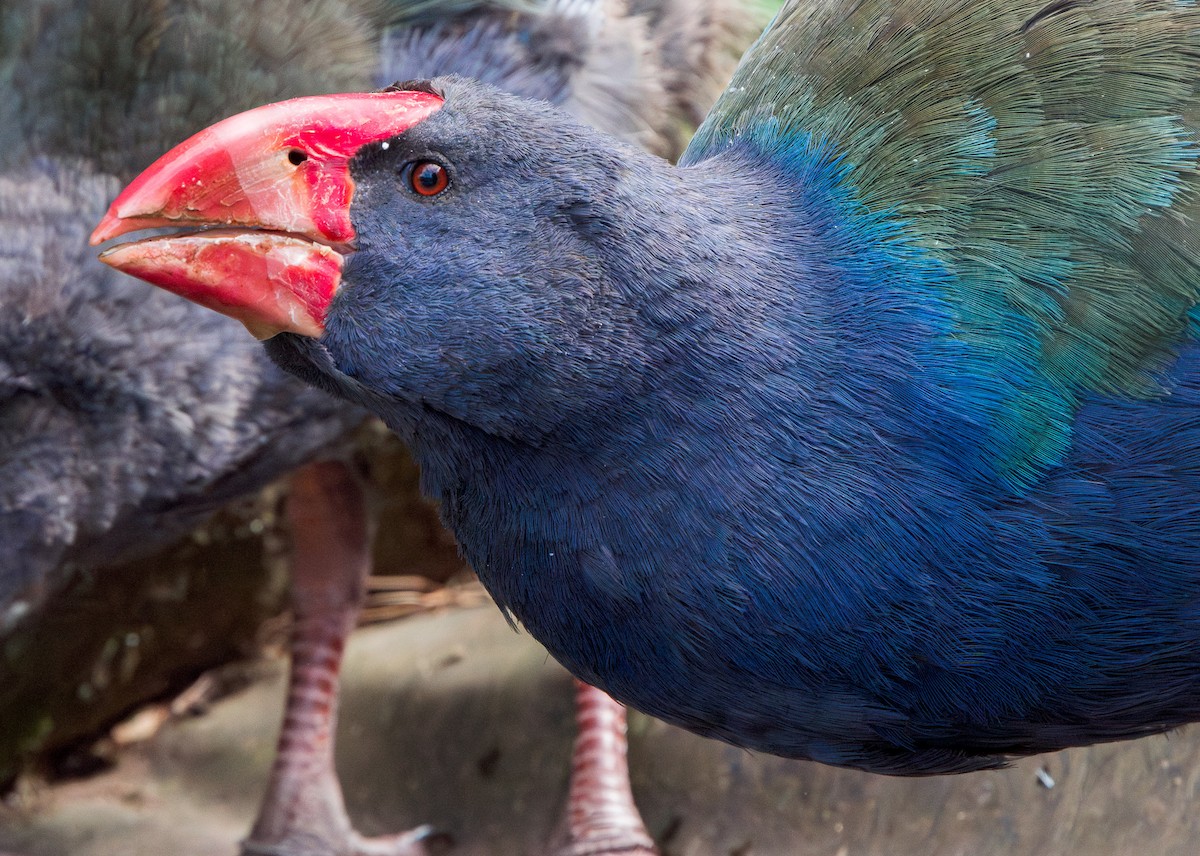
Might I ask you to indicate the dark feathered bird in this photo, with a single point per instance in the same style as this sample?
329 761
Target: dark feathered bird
119 433
113 441
869 435
128 417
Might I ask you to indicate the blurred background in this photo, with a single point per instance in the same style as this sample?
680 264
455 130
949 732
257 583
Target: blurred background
144 456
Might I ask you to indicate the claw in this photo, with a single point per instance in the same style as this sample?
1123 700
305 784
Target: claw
422 841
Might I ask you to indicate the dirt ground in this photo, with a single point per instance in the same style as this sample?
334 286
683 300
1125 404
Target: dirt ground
455 720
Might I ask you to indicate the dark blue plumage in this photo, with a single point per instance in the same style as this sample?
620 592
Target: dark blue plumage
869 436
749 509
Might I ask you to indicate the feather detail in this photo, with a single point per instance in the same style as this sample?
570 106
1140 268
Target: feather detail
1045 154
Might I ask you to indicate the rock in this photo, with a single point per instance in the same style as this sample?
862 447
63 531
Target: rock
455 720
118 636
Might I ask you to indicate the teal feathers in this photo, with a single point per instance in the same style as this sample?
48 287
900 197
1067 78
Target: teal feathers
1044 154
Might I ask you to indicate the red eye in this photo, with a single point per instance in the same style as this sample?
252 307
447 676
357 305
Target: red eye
428 178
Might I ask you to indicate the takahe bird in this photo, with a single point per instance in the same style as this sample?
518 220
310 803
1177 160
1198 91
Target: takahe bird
869 435
122 430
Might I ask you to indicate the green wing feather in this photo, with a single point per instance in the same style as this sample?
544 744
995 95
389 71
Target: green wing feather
1045 153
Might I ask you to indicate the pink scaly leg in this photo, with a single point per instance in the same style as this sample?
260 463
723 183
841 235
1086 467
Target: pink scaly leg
602 819
303 813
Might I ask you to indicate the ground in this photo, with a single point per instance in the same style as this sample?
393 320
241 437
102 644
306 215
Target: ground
454 719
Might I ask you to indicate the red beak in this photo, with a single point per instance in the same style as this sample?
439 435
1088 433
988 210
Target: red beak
278 175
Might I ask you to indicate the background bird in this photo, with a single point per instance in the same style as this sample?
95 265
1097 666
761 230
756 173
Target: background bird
867 436
122 433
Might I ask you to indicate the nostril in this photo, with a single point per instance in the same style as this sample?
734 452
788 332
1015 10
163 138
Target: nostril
297 157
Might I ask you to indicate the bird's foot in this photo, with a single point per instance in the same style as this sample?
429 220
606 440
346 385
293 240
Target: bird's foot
304 815
631 843
422 841
601 818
